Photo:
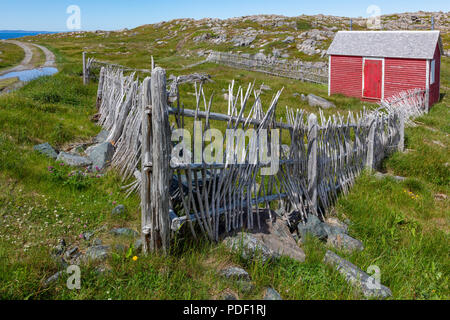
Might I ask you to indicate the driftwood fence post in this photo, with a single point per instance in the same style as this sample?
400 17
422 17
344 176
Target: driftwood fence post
84 69
101 80
146 159
159 231
312 161
401 142
371 145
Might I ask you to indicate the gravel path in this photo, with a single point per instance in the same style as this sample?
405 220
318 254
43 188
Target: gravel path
25 64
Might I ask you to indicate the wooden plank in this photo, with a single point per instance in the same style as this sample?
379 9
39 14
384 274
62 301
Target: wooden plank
312 161
161 173
146 155
84 69
223 117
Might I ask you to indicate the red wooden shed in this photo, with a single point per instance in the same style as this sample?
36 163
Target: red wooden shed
374 65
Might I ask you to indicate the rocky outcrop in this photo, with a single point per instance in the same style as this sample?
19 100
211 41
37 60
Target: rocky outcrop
73 160
271 294
46 149
368 285
316 101
100 155
270 242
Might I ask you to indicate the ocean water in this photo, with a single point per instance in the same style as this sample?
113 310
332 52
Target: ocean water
12 35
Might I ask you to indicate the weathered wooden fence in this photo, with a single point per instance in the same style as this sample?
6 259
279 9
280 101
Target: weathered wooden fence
282 68
409 104
91 64
323 158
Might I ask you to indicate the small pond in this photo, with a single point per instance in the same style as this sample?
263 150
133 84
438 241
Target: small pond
28 75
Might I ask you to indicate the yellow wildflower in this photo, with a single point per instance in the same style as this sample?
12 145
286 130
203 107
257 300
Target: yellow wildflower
135 258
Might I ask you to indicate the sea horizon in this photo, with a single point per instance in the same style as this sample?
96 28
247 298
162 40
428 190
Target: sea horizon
13 34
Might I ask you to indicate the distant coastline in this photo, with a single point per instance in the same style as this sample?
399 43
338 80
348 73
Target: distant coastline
12 34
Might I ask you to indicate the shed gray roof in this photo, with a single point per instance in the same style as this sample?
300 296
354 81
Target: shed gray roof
393 44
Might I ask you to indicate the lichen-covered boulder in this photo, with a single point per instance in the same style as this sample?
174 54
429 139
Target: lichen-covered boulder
46 149
73 160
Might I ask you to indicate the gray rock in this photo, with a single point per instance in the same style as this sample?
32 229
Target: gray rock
100 155
97 253
380 175
248 247
316 101
88 235
270 242
97 242
289 39
333 221
119 210
265 88
235 273
276 53
60 248
313 226
260 56
53 278
138 245
78 150
333 230
357 277
243 41
124 232
229 296
101 137
72 253
271 294
345 242
245 286
73 160
46 149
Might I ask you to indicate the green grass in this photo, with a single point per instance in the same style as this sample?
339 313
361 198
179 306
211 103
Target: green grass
406 238
10 55
4 83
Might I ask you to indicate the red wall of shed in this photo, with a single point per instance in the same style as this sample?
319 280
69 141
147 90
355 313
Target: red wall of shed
403 74
346 75
435 87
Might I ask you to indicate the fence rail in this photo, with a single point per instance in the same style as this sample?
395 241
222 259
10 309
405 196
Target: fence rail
324 157
280 68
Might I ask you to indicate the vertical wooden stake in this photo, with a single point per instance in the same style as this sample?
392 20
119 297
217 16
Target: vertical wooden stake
370 146
84 68
401 129
161 173
146 157
100 87
312 161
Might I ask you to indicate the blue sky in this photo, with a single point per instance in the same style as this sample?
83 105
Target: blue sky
116 14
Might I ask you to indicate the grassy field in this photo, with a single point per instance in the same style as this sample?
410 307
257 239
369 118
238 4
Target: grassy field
10 55
404 226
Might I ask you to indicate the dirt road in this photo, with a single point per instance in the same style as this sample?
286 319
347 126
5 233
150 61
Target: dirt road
26 64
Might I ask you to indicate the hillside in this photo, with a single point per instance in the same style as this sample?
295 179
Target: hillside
404 225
